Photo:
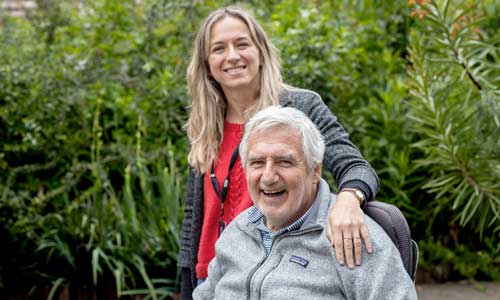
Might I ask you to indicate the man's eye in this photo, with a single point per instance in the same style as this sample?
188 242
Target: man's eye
256 164
286 163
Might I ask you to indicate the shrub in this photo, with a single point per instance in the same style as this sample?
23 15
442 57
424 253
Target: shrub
455 113
455 88
93 155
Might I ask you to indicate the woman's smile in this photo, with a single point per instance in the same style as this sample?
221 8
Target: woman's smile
234 70
233 58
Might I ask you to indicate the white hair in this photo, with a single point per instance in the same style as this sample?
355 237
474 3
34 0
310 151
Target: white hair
313 144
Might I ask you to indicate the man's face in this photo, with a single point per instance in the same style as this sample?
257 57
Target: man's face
277 175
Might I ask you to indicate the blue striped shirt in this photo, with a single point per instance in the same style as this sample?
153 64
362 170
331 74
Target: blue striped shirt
256 217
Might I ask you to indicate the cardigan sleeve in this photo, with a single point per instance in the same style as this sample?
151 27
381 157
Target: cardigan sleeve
187 248
342 157
186 229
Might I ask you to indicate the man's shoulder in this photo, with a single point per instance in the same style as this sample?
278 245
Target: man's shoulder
379 238
240 222
242 217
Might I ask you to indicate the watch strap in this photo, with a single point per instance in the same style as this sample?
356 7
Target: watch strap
357 194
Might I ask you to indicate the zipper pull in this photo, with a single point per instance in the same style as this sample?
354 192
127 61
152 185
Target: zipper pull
278 262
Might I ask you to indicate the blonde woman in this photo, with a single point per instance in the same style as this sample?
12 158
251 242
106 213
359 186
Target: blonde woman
234 73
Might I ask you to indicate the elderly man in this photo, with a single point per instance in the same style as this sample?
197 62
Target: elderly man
278 248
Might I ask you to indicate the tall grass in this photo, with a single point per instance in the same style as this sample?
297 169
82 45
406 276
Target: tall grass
126 234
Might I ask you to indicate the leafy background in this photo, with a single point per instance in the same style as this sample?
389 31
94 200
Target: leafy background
93 155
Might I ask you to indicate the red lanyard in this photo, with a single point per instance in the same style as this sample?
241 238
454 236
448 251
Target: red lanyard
223 193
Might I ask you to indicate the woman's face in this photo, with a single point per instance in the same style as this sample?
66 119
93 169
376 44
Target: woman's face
233 58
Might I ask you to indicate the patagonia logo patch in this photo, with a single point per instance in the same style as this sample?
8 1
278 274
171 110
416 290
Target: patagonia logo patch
299 260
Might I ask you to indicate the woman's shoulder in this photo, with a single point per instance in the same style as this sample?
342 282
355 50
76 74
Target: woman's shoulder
293 96
299 98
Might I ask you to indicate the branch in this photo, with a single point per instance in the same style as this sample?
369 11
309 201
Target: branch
469 74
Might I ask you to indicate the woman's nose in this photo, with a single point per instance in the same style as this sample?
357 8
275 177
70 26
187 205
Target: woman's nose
232 54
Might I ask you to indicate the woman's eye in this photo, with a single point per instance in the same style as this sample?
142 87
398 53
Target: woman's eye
217 50
243 45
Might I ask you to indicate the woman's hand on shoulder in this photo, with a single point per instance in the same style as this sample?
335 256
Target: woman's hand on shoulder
346 230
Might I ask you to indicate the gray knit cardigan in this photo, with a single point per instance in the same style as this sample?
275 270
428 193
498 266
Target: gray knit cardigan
342 159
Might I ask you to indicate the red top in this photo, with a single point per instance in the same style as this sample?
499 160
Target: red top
237 198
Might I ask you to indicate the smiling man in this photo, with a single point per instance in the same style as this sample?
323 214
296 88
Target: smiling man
278 248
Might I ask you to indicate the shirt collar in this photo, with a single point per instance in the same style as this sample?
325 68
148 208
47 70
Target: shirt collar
256 217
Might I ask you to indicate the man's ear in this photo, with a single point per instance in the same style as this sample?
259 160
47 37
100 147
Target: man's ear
317 173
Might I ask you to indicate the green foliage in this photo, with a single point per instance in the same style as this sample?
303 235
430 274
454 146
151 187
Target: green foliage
344 50
460 260
121 233
90 180
455 84
93 156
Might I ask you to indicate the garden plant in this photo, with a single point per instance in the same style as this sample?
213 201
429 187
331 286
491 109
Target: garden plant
93 155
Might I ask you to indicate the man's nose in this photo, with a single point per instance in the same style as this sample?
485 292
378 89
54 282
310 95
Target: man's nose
269 176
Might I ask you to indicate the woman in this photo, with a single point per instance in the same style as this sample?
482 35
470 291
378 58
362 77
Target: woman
235 72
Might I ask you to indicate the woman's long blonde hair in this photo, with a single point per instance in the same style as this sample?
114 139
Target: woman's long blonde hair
205 126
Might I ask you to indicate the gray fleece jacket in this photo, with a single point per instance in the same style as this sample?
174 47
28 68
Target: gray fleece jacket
302 264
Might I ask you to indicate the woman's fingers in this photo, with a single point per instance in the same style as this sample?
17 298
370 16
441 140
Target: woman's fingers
353 245
335 236
348 247
347 231
366 238
356 240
